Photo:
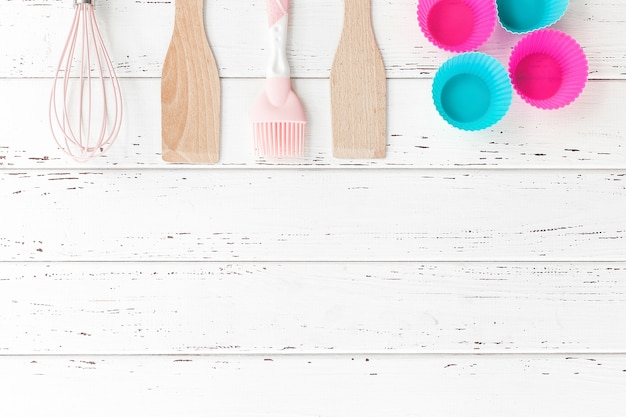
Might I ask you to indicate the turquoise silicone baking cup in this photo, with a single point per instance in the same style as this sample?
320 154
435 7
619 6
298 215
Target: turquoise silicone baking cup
526 16
472 91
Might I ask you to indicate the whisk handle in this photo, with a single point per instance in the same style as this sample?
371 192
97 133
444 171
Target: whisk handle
83 1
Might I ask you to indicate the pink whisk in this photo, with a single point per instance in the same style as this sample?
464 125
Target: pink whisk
85 85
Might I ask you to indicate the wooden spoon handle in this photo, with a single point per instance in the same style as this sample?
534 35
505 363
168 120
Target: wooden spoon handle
358 31
357 11
358 88
190 90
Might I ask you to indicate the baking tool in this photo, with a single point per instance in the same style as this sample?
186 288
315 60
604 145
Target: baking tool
358 88
278 118
190 91
85 86
457 25
548 69
526 16
472 91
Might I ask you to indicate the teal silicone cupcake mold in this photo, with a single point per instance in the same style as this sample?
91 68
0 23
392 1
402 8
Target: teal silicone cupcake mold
472 91
526 16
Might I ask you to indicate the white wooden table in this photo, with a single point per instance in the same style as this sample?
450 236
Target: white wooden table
467 274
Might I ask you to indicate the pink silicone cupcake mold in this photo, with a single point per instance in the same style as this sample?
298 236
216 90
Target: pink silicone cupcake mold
548 69
457 25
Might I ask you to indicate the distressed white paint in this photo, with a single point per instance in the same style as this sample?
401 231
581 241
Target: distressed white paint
327 215
311 308
326 385
316 289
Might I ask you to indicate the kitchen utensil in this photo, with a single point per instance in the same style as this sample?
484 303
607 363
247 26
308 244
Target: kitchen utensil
457 25
190 91
278 117
85 111
358 88
472 91
548 69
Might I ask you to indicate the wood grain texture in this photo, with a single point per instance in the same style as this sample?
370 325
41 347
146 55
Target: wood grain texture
329 215
311 308
137 34
358 88
321 386
190 91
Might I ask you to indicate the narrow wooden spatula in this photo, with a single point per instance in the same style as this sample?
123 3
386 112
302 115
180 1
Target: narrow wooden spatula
358 88
190 91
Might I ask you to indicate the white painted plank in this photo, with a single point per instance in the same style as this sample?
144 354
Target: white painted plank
269 308
308 215
138 33
588 134
320 386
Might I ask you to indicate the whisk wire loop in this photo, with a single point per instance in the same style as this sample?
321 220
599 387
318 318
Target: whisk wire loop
85 84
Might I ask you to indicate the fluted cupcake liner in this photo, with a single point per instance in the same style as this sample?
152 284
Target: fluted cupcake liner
457 25
472 91
518 16
548 69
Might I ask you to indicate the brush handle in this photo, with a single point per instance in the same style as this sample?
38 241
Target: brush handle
278 17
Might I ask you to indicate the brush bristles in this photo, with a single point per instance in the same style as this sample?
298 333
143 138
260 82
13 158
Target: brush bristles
279 139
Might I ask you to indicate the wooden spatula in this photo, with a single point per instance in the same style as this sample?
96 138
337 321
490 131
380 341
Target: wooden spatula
358 88
190 91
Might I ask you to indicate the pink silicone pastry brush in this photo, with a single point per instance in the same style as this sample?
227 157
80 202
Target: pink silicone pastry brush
278 117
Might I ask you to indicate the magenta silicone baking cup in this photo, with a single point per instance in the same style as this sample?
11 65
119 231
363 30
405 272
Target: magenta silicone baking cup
548 69
457 25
